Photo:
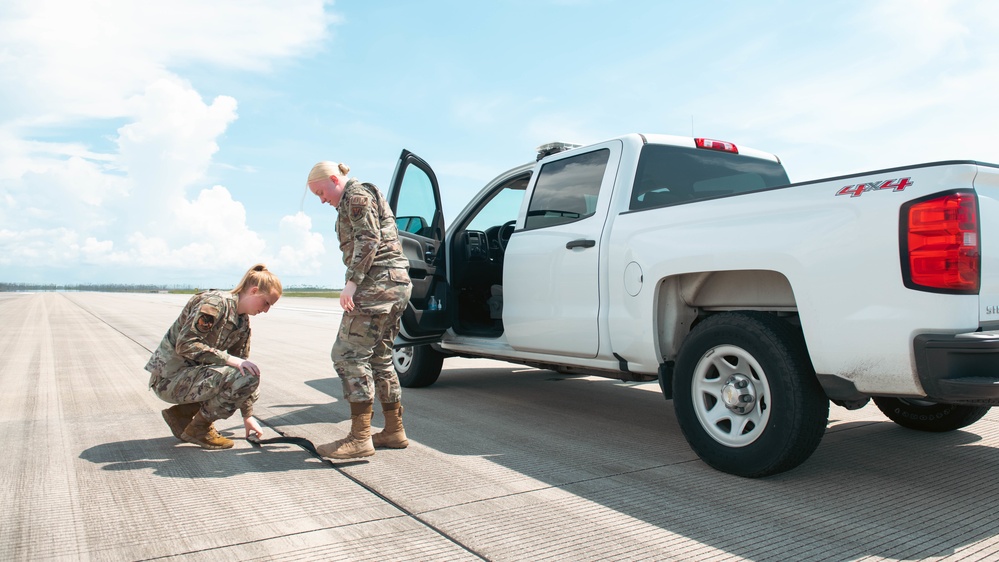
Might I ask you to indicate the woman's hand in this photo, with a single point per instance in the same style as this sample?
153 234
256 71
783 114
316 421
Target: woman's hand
251 426
347 296
245 366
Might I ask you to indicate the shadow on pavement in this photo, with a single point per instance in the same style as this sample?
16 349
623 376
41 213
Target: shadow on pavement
170 458
624 450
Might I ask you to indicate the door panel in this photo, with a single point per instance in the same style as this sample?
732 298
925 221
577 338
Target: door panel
414 196
551 280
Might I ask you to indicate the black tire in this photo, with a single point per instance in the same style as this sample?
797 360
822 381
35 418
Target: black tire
746 395
924 415
418 365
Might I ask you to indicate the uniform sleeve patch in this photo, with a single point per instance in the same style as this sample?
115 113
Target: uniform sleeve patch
205 323
358 206
206 318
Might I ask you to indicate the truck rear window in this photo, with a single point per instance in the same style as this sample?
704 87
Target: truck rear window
671 175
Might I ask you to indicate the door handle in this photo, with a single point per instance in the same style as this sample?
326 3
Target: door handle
581 243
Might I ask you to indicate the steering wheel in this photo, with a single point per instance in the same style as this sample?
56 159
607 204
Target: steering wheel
505 232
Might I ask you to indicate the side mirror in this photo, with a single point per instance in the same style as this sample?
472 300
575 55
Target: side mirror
412 225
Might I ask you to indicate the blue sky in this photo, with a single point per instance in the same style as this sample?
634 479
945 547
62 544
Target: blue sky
169 142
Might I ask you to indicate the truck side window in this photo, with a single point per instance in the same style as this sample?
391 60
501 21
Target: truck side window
416 206
567 190
502 206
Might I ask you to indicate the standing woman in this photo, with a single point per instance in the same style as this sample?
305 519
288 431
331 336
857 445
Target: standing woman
374 296
201 366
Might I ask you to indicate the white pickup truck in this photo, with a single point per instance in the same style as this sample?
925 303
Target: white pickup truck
753 301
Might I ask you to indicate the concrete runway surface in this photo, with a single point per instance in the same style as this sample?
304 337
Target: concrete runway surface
505 463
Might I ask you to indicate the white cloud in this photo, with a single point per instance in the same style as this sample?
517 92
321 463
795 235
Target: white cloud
301 249
123 199
97 250
56 190
169 145
217 225
84 58
162 152
901 82
940 25
55 247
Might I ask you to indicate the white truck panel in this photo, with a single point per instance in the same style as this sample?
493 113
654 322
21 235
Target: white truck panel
839 253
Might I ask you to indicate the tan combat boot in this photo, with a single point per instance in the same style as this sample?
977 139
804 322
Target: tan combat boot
357 443
394 435
201 432
178 416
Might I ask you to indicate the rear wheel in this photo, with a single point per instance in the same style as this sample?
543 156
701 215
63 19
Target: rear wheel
417 365
924 415
746 396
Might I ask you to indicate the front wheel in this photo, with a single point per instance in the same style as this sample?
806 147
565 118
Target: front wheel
417 365
924 415
746 395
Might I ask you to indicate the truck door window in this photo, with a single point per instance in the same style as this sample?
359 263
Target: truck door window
416 207
567 190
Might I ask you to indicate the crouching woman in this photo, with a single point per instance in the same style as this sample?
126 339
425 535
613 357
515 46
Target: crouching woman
201 365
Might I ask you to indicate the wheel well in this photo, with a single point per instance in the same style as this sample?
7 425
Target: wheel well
682 301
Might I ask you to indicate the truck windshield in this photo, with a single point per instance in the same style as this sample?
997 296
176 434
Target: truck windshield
671 175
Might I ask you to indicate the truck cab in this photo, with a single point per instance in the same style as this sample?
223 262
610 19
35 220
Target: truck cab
523 278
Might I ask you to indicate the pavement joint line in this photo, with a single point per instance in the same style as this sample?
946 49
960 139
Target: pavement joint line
383 497
105 322
353 479
271 538
559 486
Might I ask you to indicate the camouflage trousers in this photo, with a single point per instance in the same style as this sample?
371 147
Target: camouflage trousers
221 390
362 354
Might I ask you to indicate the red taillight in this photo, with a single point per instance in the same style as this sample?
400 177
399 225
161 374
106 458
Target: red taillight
716 145
941 244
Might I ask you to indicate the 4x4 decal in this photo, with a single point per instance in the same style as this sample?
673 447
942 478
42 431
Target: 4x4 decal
856 190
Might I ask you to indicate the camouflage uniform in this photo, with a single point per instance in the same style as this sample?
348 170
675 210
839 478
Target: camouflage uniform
189 364
369 240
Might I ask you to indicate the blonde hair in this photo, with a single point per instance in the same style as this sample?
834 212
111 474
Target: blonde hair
260 277
325 169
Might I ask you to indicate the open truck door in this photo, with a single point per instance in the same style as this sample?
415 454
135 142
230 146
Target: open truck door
415 198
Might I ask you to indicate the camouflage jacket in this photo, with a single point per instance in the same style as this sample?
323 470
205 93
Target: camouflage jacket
367 232
207 332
